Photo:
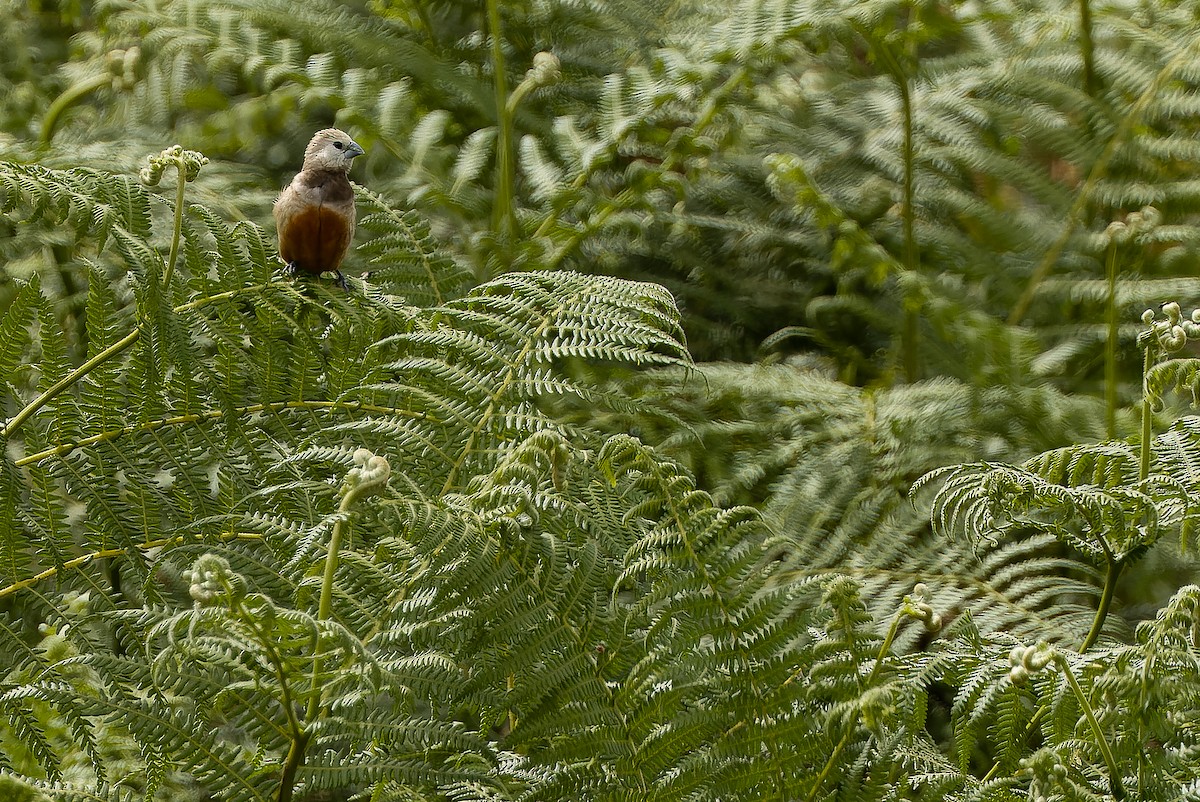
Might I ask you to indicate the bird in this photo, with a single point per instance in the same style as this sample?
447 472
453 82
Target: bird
315 213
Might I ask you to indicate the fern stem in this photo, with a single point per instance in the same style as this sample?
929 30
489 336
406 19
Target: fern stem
497 394
353 492
205 300
1086 47
1128 122
1147 415
82 560
177 232
120 345
56 389
325 605
1114 775
910 334
67 99
291 766
884 650
295 756
886 647
1110 345
87 367
281 673
1111 575
216 414
300 736
505 216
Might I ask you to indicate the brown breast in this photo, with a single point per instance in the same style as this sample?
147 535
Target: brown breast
315 239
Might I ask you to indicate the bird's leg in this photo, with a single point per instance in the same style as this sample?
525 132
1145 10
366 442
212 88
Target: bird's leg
341 280
291 268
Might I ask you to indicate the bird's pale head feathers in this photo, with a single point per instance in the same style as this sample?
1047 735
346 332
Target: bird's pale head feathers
331 149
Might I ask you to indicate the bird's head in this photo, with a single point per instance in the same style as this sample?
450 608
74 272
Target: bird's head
331 149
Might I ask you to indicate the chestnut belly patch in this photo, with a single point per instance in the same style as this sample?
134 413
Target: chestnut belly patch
315 240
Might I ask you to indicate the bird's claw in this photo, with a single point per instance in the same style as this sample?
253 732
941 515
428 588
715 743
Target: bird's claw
291 269
341 280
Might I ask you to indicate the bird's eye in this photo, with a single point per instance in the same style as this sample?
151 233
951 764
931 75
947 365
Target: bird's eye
337 145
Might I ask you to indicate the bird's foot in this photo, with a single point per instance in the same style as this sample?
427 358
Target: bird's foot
291 269
341 280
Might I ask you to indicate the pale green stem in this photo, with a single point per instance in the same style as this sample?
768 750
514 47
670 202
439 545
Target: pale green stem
1114 775
1110 345
62 384
518 94
295 756
67 99
1129 121
105 554
176 236
884 649
1106 597
291 766
325 605
129 339
216 414
1086 48
505 216
300 737
1112 574
910 334
1147 416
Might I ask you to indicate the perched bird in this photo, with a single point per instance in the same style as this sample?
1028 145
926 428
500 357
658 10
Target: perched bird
315 213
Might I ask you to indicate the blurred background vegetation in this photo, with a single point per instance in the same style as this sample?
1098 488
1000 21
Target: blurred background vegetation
854 203
902 233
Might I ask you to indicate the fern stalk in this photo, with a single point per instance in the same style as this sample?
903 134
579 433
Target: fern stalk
103 554
1129 121
1111 575
68 98
176 233
1110 345
1087 48
836 755
325 605
367 479
57 388
212 415
910 335
120 345
300 734
505 215
362 481
1147 415
1114 775
292 765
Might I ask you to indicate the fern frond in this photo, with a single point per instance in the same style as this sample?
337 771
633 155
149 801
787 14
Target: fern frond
407 260
95 204
1089 496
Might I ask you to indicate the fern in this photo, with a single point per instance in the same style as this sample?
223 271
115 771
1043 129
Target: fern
535 604
831 466
238 363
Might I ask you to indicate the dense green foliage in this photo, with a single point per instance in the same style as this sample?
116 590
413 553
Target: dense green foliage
731 401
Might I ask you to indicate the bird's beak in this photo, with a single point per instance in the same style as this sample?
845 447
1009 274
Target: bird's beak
353 149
